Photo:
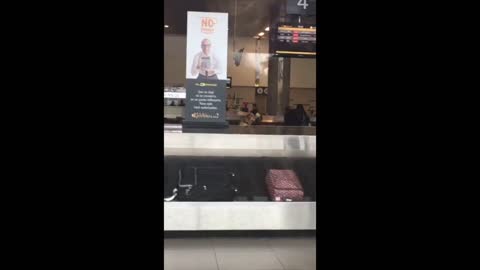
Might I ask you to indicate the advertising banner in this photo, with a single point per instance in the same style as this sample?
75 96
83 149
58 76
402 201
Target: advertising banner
206 68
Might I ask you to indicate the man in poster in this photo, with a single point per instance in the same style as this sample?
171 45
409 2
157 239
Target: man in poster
205 64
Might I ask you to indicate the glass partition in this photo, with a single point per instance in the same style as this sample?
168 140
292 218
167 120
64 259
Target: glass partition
270 61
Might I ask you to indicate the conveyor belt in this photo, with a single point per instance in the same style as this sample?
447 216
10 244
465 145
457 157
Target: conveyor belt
252 151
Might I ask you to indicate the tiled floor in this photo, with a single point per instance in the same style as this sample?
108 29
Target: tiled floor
293 253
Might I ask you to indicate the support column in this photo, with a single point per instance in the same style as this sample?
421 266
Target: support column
278 85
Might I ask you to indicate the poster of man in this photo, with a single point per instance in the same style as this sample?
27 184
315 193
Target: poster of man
207 45
205 64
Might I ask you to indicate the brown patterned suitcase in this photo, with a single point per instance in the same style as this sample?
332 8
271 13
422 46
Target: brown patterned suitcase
284 185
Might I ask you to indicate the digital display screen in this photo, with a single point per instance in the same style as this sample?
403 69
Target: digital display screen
297 35
294 41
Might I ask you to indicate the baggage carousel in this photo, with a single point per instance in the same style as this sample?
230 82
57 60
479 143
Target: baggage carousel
250 152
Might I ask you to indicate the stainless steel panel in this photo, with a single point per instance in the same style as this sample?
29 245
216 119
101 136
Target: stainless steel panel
249 145
172 128
204 216
255 130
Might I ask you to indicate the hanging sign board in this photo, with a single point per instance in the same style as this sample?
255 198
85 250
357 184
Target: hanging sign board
206 69
302 7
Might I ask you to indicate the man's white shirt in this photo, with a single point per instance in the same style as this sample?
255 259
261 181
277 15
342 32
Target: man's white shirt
205 62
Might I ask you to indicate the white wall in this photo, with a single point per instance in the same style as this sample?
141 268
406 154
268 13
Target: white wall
174 55
303 73
247 94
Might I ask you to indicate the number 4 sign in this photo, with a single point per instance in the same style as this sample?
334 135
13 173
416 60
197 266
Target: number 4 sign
302 3
301 7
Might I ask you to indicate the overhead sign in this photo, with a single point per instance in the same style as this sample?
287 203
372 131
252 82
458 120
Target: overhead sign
302 7
206 69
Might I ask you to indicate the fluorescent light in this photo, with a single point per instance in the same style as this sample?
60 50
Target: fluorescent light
261 34
267 29
166 26
256 37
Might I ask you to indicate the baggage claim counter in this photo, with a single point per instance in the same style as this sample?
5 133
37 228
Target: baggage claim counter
249 152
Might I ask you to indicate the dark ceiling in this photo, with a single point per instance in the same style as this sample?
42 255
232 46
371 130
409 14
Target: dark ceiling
252 16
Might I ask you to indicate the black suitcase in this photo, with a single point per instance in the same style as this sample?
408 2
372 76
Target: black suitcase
206 184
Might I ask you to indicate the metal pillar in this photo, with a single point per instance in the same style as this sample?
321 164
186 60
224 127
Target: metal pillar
278 85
